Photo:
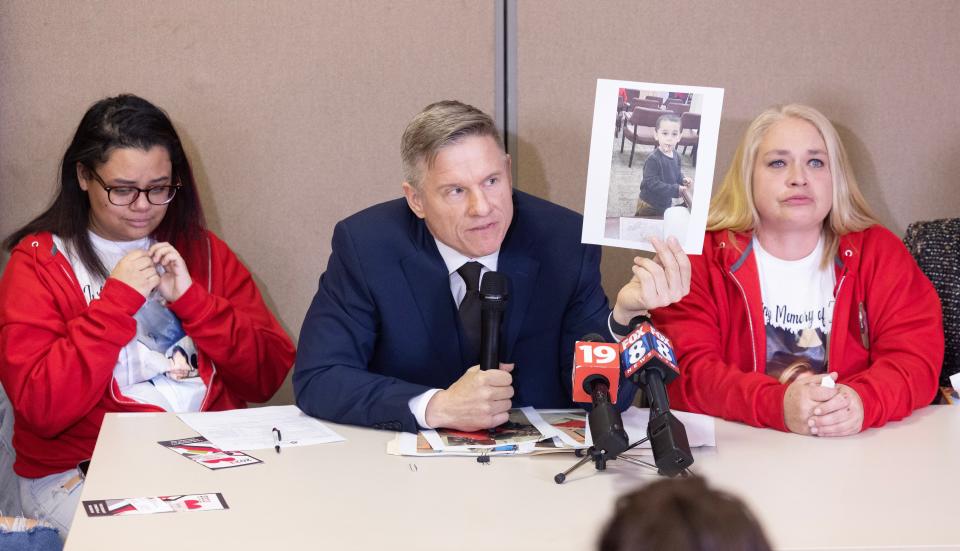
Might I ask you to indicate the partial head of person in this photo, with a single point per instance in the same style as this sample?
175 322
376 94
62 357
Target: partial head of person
457 177
668 132
682 514
124 176
791 176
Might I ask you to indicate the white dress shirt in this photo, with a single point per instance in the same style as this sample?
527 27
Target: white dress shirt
458 288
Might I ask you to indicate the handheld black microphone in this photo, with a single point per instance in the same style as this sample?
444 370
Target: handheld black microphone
494 293
649 361
596 374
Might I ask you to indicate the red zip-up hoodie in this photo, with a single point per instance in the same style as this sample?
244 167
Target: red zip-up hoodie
57 353
886 341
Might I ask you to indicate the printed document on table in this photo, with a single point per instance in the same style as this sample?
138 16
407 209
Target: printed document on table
521 427
252 428
701 429
526 432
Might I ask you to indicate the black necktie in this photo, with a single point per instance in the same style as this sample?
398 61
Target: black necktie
470 305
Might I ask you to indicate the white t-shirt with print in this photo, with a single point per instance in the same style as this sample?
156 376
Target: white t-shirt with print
797 312
146 366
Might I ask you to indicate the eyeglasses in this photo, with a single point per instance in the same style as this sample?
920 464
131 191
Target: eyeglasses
127 195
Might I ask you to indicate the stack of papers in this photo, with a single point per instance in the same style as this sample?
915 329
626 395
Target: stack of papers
531 431
701 429
252 428
528 431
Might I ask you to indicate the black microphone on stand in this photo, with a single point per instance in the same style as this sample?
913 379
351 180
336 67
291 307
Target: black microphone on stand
596 378
494 292
648 360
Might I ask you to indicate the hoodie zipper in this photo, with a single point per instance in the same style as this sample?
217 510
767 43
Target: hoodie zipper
746 303
213 367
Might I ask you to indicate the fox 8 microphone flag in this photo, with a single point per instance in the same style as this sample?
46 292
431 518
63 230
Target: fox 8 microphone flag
645 343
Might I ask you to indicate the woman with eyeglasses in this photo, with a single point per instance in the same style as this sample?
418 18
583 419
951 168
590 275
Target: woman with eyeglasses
118 299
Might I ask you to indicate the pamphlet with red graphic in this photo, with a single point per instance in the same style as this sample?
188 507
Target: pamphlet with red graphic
152 505
199 450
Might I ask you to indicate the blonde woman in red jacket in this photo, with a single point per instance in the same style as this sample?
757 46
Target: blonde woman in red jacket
798 283
118 299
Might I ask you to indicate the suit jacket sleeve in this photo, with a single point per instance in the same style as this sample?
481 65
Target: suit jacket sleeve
331 378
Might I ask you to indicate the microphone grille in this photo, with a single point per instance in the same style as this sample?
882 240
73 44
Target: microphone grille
494 286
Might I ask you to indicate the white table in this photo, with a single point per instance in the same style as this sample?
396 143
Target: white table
896 487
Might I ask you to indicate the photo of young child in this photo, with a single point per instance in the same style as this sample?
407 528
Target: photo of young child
653 163
651 144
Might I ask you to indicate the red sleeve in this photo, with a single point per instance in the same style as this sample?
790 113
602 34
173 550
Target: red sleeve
56 370
711 336
234 328
905 328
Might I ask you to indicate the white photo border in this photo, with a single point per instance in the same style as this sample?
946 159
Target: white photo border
599 167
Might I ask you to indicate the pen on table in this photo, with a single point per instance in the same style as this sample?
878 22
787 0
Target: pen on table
276 439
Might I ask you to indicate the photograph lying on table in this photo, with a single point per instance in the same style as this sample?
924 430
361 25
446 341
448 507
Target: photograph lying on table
570 424
528 431
652 154
518 429
199 450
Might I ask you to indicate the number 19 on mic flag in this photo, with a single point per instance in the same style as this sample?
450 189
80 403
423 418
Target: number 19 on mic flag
595 359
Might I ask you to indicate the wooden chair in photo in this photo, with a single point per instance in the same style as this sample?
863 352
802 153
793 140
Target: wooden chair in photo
646 104
640 128
621 115
690 133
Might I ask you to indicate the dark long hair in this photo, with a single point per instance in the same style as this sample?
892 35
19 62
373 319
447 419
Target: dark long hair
124 121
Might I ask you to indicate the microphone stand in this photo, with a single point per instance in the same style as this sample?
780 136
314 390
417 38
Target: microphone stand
600 458
670 445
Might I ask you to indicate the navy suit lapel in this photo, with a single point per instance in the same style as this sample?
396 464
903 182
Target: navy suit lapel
517 261
429 283
522 272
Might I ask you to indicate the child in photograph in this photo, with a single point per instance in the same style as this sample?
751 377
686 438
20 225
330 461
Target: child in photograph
663 180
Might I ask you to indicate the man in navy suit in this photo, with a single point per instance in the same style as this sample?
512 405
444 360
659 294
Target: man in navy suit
384 344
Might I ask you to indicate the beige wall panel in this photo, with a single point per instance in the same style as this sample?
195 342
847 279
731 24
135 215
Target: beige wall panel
884 71
291 112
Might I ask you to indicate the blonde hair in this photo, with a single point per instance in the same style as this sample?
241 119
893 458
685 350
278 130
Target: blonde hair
733 209
441 124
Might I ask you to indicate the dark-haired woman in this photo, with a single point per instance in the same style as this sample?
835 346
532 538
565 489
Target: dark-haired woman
104 287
